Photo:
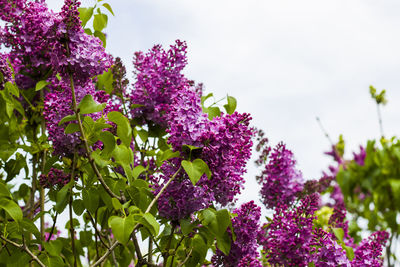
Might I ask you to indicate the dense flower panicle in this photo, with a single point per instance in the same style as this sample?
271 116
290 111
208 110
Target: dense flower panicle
45 40
263 148
181 198
249 261
9 9
226 153
158 79
281 181
244 249
120 83
55 178
290 233
326 251
369 251
187 124
6 74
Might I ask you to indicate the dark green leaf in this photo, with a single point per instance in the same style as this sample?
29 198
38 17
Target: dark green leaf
71 128
12 208
124 130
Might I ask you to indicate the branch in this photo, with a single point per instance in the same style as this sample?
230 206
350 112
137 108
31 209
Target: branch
116 243
86 145
24 247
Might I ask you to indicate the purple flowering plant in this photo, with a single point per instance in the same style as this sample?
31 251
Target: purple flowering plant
147 173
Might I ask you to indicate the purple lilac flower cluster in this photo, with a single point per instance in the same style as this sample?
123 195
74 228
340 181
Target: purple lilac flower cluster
280 180
369 252
289 235
4 70
244 249
158 79
54 178
169 99
45 40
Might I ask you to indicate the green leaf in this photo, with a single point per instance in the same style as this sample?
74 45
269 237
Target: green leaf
223 219
339 233
208 216
124 130
53 247
231 106
122 227
196 169
71 128
186 226
212 112
78 206
4 191
30 227
108 140
349 252
116 204
100 22
138 170
40 85
88 105
67 119
108 8
90 199
151 223
62 198
12 208
143 134
12 88
224 243
85 14
105 81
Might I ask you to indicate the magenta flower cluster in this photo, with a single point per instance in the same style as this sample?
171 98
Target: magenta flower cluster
246 226
280 180
55 178
167 98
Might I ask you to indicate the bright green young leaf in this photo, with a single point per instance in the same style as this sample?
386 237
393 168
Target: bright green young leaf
196 169
122 227
67 119
108 8
223 219
12 208
143 134
116 204
231 106
53 247
40 85
349 252
100 22
105 81
204 98
138 170
124 130
71 128
151 223
85 14
339 233
212 112
88 105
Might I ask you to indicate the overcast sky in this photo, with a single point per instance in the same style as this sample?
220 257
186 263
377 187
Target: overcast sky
285 61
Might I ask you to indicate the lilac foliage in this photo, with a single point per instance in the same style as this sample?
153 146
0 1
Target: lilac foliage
243 251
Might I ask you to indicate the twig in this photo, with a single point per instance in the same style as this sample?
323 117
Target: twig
138 252
41 190
71 219
186 259
52 228
86 145
96 230
116 243
380 119
324 131
24 247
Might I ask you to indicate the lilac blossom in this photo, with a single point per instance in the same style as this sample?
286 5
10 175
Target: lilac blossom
281 181
243 250
369 251
55 178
